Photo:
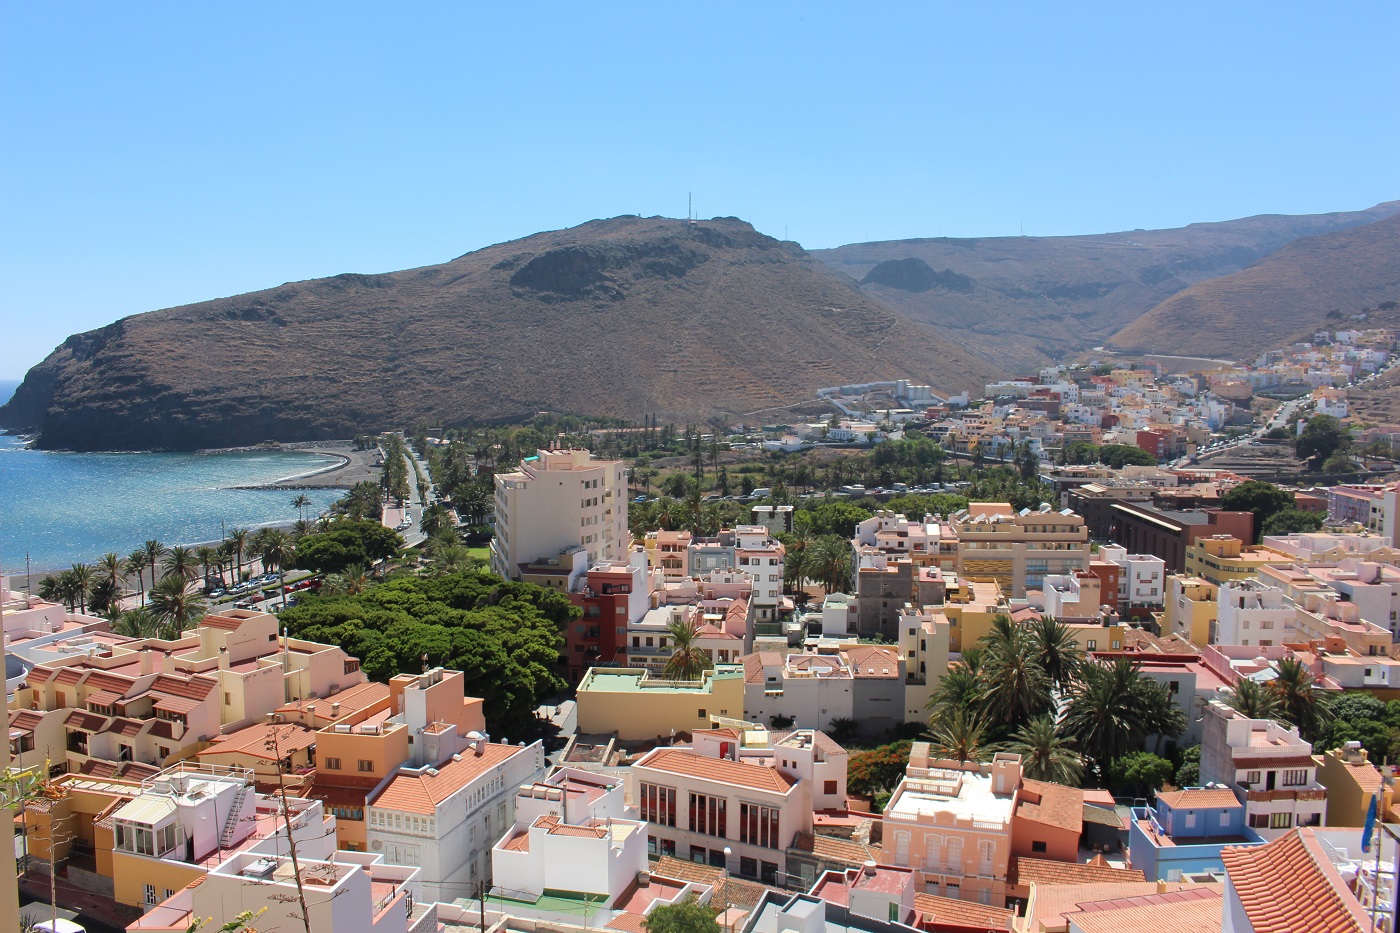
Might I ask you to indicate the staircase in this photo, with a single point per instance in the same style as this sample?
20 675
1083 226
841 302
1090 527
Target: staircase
231 823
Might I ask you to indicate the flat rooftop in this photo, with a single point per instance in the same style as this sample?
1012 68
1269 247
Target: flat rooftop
967 795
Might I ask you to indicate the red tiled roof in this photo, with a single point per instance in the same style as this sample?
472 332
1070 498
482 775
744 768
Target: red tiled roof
87 722
103 680
727 890
1301 761
136 771
873 661
176 704
946 912
627 923
222 622
1290 884
1191 910
1199 798
103 698
832 849
68 676
127 728
520 842
194 687
26 719
756 777
1045 871
97 768
38 676
255 740
1051 804
417 791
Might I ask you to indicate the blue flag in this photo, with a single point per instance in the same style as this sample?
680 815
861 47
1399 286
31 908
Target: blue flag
1370 824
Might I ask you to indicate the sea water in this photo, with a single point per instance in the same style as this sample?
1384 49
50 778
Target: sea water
63 508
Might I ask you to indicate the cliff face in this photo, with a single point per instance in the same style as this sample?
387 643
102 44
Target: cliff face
1022 302
622 317
1283 297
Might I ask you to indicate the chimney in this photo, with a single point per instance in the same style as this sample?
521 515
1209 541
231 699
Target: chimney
868 869
335 710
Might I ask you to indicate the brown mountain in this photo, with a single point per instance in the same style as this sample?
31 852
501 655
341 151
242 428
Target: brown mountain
1024 301
1281 297
621 317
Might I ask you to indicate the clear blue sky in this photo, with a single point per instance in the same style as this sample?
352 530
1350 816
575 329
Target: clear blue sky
159 154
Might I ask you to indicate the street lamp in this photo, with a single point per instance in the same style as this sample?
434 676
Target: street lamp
728 920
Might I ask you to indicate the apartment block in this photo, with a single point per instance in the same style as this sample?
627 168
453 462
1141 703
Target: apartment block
1190 609
612 595
1184 833
555 500
717 795
635 705
1252 613
1019 549
862 683
1267 766
1142 580
1225 559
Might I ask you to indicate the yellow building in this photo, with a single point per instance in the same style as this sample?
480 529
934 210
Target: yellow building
1351 780
1019 549
970 606
636 705
1224 559
1096 636
1190 608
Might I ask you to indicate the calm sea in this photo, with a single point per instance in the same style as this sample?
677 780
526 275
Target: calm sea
60 508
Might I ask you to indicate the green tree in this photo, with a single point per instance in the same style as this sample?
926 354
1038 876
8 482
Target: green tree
301 502
1299 701
1339 462
278 552
959 689
688 660
175 605
182 562
1104 714
136 563
1118 456
1045 754
112 569
1189 773
1252 699
208 558
1261 499
1323 436
83 577
1143 772
960 735
1292 521
687 916
436 517
1057 651
346 542
237 540
836 517
1016 688
831 561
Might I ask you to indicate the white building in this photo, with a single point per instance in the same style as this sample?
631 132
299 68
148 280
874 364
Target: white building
558 499
1270 769
1142 580
1252 613
444 817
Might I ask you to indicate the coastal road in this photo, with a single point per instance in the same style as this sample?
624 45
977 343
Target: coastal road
413 535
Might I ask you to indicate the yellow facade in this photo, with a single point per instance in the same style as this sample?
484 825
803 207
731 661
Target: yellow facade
636 706
131 874
970 608
1224 559
1350 782
1096 637
1190 608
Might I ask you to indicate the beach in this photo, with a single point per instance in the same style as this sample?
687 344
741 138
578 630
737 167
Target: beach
355 466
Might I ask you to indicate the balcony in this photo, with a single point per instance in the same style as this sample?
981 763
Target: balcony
1313 792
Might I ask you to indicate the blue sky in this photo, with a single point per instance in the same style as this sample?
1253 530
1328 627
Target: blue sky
159 154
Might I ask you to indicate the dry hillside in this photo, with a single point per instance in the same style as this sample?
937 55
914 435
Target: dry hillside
1278 298
1025 301
622 317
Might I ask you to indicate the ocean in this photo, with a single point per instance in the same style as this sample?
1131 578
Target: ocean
63 508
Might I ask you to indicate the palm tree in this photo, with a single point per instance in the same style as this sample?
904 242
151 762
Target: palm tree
154 551
1045 754
110 567
1056 650
225 549
1104 714
958 689
301 502
175 605
831 561
436 517
237 540
1017 689
136 562
687 661
181 562
137 623
279 551
1253 700
1299 701
83 578
208 558
960 736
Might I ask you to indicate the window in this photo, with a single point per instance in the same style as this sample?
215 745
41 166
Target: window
150 893
1251 777
1295 778
758 825
1092 644
228 698
365 765
333 764
1190 821
658 804
748 866
828 787
1280 820
1037 847
708 814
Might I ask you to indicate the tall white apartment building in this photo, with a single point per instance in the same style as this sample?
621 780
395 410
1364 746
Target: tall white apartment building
556 500
1252 613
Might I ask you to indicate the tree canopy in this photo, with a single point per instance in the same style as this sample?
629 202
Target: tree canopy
346 542
1262 499
687 916
1121 455
504 637
1323 436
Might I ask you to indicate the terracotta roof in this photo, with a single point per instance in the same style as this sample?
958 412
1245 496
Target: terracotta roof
103 680
873 661
946 911
176 704
756 662
195 687
87 722
417 791
727 890
127 728
520 842
221 622
1290 884
98 768
1301 761
1045 871
103 698
1366 775
68 676
723 733
162 729
38 676
756 777
1051 804
1051 902
351 699
136 771
1199 798
832 849
627 923
1103 816
1190 910
26 719
255 740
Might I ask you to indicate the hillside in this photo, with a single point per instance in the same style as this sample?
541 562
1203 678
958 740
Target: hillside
1280 298
1026 301
620 317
